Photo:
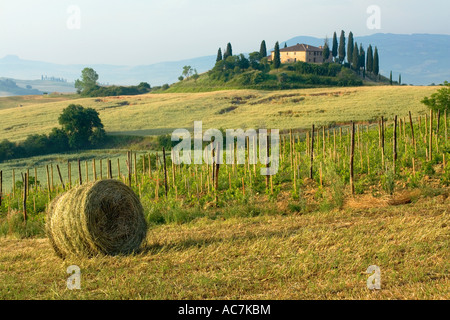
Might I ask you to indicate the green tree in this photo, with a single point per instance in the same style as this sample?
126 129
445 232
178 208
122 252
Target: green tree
400 79
355 60
334 48
369 63
219 55
82 126
263 49
277 59
342 47
440 100
362 57
88 80
326 50
187 72
350 48
228 51
390 79
285 45
376 62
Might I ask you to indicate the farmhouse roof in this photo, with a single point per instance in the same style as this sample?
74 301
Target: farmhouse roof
300 47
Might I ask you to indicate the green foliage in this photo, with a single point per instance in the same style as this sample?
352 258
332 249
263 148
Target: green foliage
276 58
342 47
263 49
376 63
440 100
334 51
88 80
82 125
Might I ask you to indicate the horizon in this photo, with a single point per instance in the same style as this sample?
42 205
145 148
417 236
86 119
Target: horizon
13 55
144 33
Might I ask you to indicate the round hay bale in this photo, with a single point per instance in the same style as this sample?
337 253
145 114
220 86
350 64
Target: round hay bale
103 217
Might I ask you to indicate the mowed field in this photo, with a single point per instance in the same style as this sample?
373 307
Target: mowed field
155 114
321 255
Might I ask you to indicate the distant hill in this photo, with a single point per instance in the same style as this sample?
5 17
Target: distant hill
422 59
9 87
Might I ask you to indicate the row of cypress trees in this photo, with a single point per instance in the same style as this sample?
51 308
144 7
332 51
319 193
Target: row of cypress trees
357 58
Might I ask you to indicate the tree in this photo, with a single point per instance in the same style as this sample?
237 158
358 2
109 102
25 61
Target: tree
263 49
334 50
82 126
285 45
440 100
362 57
390 79
342 47
355 59
88 80
369 64
187 72
277 59
376 63
219 55
350 48
228 52
400 79
326 50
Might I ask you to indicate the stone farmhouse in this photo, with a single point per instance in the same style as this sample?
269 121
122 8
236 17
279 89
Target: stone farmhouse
301 52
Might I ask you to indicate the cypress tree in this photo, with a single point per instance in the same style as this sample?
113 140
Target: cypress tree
228 52
390 79
400 79
277 59
285 45
376 62
355 60
350 48
326 50
334 50
369 64
342 47
263 49
362 57
219 55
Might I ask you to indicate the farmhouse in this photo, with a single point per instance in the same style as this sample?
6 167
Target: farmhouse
301 52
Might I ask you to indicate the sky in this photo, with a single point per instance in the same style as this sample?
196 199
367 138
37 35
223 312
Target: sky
141 32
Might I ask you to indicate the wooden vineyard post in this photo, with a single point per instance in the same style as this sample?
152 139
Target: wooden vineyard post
445 127
149 165
352 152
135 169
430 152
51 176
412 132
217 182
312 153
395 144
35 179
60 177
25 191
94 170
27 181
165 171
129 168
110 169
80 178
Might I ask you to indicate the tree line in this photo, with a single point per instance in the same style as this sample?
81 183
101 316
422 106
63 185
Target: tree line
81 128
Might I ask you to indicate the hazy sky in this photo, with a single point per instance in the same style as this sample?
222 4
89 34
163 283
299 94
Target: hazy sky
134 32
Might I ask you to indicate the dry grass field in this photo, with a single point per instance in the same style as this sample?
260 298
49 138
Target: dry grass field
320 255
154 114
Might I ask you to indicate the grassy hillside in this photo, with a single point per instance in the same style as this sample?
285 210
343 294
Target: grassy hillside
154 114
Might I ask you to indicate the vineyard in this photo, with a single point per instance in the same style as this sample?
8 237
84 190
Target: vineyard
319 169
